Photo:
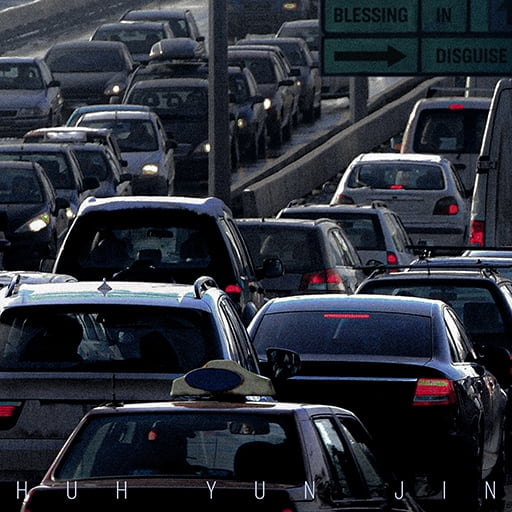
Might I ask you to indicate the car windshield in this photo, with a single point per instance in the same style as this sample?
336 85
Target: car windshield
55 165
330 333
190 102
105 338
19 186
445 130
93 163
138 40
310 34
227 446
87 60
177 245
20 76
294 54
132 135
397 176
262 69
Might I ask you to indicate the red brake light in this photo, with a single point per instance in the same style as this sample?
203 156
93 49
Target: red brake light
233 288
446 206
343 199
477 233
434 392
7 411
396 187
346 315
327 279
456 106
391 258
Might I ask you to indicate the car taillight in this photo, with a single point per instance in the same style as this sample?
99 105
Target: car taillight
322 280
343 199
234 291
391 258
477 233
9 412
446 206
434 392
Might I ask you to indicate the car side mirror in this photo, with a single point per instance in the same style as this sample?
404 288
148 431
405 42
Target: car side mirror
272 267
126 176
282 363
53 83
257 99
288 82
170 144
61 203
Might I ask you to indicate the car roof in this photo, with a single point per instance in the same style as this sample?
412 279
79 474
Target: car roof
210 205
286 222
132 23
354 302
118 114
400 157
447 101
19 164
19 60
48 147
106 293
171 82
310 22
261 53
85 44
161 13
416 272
329 208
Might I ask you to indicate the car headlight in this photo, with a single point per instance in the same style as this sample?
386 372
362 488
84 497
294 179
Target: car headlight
114 89
36 224
267 103
34 112
70 214
241 123
150 169
204 147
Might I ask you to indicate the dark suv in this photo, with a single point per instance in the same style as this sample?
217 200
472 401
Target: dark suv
481 297
161 239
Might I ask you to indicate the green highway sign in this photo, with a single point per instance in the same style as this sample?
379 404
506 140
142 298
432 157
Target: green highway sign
404 37
382 56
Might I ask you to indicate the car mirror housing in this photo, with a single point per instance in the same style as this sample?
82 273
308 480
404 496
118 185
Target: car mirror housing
282 363
272 267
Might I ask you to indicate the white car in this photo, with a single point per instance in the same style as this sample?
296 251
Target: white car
148 152
423 189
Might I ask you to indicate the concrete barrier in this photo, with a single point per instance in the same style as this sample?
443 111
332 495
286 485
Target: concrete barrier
266 197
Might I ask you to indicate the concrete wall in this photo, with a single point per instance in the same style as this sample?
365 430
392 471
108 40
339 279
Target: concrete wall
266 197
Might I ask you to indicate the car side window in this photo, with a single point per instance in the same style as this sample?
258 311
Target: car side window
337 456
350 258
460 346
239 248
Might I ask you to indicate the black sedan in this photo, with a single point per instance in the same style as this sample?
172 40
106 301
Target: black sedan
407 368
213 449
32 217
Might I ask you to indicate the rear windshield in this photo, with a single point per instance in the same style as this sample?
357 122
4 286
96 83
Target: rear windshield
106 338
444 130
163 244
229 446
397 176
364 231
298 249
475 305
327 333
138 41
87 60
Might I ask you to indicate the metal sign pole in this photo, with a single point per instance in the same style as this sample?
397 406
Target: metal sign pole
219 164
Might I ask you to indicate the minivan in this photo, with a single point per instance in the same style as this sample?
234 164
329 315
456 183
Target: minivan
490 223
451 127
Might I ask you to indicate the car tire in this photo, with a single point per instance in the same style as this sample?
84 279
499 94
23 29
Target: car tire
318 110
262 143
252 152
309 113
276 137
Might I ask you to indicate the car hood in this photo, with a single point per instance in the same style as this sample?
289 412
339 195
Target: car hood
268 90
136 159
186 131
16 98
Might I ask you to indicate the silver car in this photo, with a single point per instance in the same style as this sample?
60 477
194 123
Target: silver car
424 190
144 145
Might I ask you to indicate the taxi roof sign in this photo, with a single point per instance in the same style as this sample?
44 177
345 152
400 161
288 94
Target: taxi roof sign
222 378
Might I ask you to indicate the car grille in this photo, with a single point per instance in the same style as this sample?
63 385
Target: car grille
8 113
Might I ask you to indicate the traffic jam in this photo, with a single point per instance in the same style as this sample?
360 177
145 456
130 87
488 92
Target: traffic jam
351 352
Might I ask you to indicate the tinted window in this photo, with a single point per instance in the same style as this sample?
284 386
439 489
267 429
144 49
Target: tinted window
138 41
20 76
229 446
298 249
397 176
93 163
180 245
88 60
450 131
19 186
106 338
328 333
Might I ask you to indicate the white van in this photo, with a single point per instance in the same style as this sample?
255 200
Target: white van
491 210
451 127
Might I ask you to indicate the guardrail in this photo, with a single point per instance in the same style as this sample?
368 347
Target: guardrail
315 163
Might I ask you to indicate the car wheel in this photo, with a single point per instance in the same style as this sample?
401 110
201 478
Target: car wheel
318 110
276 137
252 151
287 130
309 113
